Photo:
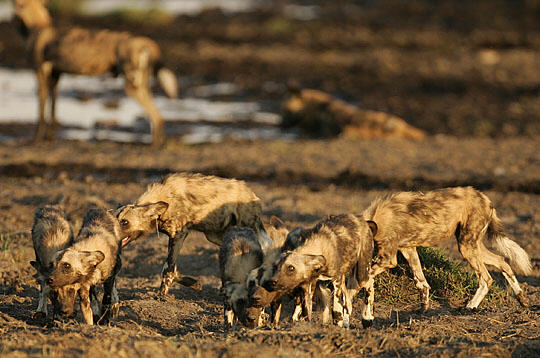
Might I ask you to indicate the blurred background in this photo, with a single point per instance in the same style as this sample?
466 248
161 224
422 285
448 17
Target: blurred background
457 68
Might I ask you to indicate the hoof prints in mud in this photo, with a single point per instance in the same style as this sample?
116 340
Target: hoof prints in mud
286 177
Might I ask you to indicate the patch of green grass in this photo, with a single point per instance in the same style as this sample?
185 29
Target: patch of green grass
450 282
138 16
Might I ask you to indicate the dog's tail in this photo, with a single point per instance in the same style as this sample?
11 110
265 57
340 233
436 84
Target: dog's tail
518 257
167 80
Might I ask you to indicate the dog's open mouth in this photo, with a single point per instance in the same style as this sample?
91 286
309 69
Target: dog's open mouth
126 240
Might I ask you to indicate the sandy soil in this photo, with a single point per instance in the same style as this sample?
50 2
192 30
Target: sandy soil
469 74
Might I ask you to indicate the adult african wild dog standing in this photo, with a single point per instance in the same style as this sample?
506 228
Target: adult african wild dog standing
184 202
240 252
94 258
85 52
410 219
330 250
51 233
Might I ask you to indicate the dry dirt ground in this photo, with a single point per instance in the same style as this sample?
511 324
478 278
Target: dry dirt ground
468 73
299 181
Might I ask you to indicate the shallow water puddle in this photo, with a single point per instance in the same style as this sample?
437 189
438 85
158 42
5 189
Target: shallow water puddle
96 108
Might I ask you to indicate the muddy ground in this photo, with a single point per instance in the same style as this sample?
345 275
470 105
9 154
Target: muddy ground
468 74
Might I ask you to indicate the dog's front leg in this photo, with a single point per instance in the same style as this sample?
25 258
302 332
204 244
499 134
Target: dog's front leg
41 311
86 309
169 274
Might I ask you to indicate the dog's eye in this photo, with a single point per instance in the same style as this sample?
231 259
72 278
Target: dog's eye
66 266
124 222
290 269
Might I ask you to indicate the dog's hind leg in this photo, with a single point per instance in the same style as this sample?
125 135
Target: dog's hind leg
497 261
411 255
469 248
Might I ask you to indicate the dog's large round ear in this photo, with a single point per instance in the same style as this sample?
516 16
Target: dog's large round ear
93 258
155 210
373 227
317 263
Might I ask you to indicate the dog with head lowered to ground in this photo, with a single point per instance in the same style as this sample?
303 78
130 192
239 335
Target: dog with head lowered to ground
94 258
410 219
51 233
85 52
184 202
240 252
330 251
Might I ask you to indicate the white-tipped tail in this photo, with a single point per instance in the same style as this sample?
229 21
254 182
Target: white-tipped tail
167 80
518 257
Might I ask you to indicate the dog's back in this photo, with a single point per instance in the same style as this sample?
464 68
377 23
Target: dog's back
413 219
100 232
341 239
206 203
51 233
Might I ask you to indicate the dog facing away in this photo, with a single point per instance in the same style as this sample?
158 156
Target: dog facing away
94 258
184 202
410 219
240 252
329 251
51 233
85 52
319 114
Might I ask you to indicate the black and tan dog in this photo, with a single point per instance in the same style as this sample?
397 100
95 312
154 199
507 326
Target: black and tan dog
330 251
184 202
240 253
94 258
85 52
51 233
410 219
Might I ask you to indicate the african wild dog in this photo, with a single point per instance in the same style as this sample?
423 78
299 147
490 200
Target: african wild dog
331 250
260 297
319 114
184 202
240 252
94 258
80 51
410 219
51 233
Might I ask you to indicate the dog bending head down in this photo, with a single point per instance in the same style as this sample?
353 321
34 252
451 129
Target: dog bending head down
138 220
294 269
